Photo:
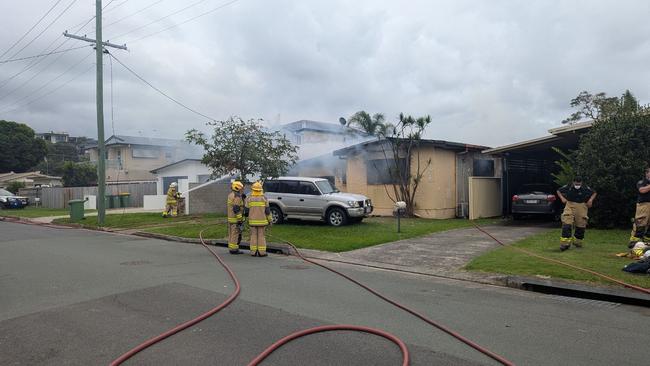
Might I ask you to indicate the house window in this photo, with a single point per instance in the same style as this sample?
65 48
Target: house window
143 152
483 168
385 171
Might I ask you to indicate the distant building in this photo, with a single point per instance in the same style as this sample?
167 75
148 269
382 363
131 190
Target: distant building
30 179
316 138
183 172
132 158
54 137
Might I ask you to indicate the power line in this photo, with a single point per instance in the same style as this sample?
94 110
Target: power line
186 21
30 29
41 55
130 15
51 91
160 91
113 8
46 28
159 19
51 81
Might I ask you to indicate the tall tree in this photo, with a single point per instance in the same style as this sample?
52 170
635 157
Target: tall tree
245 148
402 150
19 149
599 106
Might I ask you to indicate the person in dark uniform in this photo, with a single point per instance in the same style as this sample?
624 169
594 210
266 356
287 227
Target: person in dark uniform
642 215
578 198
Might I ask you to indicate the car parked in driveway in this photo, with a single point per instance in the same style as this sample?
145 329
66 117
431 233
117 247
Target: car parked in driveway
10 200
536 200
314 198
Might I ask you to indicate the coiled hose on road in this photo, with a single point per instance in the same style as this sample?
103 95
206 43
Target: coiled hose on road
327 328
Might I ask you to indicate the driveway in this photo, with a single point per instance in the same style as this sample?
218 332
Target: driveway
440 254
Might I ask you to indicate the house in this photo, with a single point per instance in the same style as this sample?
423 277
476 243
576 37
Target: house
30 179
533 161
181 172
132 158
460 182
325 166
313 138
54 137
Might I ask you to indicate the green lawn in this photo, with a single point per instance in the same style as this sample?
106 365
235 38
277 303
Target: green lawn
598 255
31 212
315 235
141 220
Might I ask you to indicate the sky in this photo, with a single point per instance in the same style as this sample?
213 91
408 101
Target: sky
487 72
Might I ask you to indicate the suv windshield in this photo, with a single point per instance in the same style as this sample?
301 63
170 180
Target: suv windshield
325 186
5 193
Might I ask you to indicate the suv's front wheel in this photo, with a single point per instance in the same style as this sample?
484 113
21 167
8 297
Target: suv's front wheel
276 215
336 216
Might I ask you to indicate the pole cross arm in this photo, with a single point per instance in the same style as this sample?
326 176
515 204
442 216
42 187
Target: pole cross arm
84 38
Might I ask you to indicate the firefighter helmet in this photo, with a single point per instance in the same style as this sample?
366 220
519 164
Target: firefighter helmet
173 185
236 186
257 186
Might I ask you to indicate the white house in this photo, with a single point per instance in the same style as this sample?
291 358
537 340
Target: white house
183 172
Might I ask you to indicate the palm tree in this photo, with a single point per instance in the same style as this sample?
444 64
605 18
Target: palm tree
374 125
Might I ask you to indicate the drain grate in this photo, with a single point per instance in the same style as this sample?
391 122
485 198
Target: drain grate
581 301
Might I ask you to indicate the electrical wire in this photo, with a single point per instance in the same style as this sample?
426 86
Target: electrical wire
160 91
46 28
41 55
159 19
50 92
30 29
132 14
186 21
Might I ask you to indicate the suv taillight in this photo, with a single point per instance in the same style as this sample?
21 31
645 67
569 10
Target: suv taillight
515 198
551 198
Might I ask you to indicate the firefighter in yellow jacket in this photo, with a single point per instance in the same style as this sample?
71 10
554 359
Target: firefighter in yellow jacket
259 217
235 206
171 204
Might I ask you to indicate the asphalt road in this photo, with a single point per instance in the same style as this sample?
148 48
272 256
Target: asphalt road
76 297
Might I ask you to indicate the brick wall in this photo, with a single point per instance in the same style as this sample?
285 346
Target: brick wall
209 199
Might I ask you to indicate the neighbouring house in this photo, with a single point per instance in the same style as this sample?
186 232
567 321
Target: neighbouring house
54 137
132 158
30 179
533 161
461 181
314 138
181 172
325 166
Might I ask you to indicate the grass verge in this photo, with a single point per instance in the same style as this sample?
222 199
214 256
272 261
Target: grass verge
143 220
597 255
32 212
316 235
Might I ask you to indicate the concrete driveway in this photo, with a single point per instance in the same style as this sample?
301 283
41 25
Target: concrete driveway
440 254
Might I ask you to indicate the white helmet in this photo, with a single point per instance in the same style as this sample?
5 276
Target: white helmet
173 185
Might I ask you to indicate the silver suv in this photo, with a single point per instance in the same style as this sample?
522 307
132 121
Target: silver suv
314 198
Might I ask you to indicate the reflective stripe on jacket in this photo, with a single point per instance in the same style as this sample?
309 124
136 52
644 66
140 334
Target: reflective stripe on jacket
235 208
259 213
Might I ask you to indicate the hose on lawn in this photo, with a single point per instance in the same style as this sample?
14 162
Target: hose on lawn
532 254
422 317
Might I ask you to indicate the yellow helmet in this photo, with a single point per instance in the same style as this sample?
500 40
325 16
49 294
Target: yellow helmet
257 186
638 252
236 186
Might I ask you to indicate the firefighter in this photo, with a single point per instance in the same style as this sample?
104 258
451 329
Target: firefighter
259 217
642 211
235 206
578 198
171 207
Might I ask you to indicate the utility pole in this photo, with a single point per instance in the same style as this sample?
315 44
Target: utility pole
101 148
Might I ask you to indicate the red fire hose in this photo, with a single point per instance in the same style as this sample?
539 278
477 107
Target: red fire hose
633 287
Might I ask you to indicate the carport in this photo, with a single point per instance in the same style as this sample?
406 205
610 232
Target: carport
533 161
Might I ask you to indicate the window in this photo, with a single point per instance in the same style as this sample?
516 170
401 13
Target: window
483 168
144 152
385 171
308 188
289 186
271 186
325 186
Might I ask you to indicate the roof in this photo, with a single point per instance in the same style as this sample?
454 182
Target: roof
172 164
307 125
140 140
557 134
442 144
4 177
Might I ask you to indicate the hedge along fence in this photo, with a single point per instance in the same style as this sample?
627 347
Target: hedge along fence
58 197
